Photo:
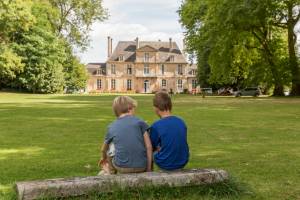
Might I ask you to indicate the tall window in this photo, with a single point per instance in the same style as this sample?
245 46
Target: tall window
113 84
99 84
146 57
162 69
146 69
164 83
194 84
179 70
179 84
113 69
129 84
129 69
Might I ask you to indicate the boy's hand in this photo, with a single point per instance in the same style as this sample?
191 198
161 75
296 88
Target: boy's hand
102 162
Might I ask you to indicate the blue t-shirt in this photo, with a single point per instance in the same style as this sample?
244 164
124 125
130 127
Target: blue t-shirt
170 134
127 135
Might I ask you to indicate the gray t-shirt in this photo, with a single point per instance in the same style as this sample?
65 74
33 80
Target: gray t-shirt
127 135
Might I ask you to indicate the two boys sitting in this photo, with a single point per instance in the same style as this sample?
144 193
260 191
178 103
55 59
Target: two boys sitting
130 146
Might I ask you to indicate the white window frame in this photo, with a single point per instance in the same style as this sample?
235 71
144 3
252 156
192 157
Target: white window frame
129 84
121 58
113 69
180 69
146 57
163 83
113 84
129 67
172 58
146 69
99 84
179 85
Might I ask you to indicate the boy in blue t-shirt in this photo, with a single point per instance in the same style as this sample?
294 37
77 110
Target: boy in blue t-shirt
168 135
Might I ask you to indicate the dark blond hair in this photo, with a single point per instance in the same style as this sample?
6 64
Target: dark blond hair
123 104
162 101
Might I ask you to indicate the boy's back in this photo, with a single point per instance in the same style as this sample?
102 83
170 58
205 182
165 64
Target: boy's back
170 135
126 133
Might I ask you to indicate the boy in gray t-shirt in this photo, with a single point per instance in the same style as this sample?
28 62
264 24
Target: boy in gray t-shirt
127 146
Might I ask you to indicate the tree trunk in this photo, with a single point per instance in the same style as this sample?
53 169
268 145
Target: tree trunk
72 187
278 90
293 62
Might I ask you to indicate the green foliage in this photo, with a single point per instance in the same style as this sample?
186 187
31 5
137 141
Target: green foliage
10 65
75 74
43 55
75 18
15 15
237 42
37 38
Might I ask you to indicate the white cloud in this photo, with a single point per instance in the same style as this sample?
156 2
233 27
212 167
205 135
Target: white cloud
148 20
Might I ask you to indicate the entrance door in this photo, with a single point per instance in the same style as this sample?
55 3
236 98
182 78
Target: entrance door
146 86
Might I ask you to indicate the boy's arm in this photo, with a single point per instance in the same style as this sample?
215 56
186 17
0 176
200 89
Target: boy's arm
149 151
104 150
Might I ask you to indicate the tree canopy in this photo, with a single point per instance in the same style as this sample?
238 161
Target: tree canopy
37 40
241 42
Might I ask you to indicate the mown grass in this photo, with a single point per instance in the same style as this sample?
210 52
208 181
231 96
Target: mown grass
257 140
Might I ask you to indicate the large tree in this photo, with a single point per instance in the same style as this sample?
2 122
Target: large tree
286 15
15 16
75 18
37 39
43 55
241 42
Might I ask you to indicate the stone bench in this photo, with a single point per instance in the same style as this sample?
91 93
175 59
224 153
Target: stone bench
85 185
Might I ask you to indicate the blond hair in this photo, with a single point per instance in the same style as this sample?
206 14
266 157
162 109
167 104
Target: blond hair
122 104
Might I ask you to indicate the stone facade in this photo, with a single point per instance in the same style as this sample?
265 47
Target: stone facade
142 67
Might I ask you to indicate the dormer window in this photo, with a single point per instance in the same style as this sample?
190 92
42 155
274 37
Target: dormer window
193 72
121 58
146 57
99 72
171 58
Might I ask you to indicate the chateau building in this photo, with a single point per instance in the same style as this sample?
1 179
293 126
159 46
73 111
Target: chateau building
142 67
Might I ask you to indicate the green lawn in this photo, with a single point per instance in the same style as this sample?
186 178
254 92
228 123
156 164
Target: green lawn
257 140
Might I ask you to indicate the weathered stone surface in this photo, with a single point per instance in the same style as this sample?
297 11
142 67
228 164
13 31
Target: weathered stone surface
85 185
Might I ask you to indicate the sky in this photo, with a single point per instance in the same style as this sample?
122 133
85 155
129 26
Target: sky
147 19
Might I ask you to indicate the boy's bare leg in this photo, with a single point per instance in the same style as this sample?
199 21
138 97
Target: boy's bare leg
111 167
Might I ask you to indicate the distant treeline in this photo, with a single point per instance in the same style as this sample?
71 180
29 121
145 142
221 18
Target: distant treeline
37 38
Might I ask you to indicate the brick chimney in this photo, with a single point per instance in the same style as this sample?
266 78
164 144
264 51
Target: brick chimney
137 43
109 46
170 44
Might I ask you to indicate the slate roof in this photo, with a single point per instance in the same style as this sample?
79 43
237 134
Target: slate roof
93 67
128 50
